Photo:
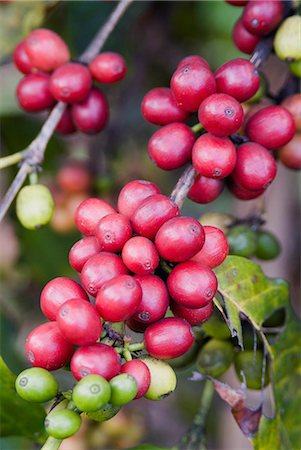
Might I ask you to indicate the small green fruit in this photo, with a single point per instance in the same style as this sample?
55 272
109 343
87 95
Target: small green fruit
216 327
62 424
187 359
242 241
295 68
251 366
105 413
34 206
215 358
91 393
163 379
267 247
124 388
36 385
287 39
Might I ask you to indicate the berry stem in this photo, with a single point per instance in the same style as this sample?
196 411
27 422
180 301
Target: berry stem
197 128
262 51
10 160
52 444
136 346
183 186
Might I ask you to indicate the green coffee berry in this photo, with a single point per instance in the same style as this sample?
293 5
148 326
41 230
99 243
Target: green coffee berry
215 358
287 39
216 327
251 365
295 68
242 241
124 388
105 413
34 206
91 393
62 424
267 246
163 379
36 385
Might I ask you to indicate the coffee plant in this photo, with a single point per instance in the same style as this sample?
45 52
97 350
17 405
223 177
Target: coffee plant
155 293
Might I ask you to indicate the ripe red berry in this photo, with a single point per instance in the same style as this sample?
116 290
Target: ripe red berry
221 114
160 108
215 248
271 127
70 83
290 154
155 299
140 372
193 59
152 213
237 2
66 124
243 39
213 157
99 269
91 115
140 255
74 177
46 50
21 59
133 194
170 147
89 213
242 193
108 67
118 299
293 104
136 326
193 316
58 291
192 284
47 348
99 359
82 250
113 231
191 84
205 190
168 338
260 17
33 92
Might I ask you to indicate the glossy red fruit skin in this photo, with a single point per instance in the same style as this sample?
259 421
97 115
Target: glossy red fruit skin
89 213
92 114
191 84
168 338
70 83
170 147
133 194
271 127
108 67
97 359
152 213
205 190
213 157
21 59
46 50
215 249
160 108
192 316
290 154
33 92
237 2
79 322
58 291
112 232
66 124
74 177
255 167
47 348
81 251
193 59
243 194
221 115
99 269
139 370
243 39
293 104
118 299
191 284
260 17
140 255
155 299
136 326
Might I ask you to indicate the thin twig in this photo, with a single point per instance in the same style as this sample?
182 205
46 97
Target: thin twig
183 186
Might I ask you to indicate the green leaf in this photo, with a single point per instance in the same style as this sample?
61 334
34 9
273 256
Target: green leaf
18 417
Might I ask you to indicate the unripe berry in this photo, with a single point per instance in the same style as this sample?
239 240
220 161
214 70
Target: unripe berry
295 68
124 389
81 251
192 316
91 114
21 59
105 413
70 83
33 92
140 255
287 39
243 39
215 248
260 17
242 241
91 393
133 194
113 231
34 206
89 213
205 190
36 385
108 67
267 246
160 108
163 379
62 423
140 372
215 358
290 154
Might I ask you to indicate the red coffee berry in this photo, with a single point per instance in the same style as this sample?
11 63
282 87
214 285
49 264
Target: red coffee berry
193 316
155 299
237 2
47 348
271 127
152 213
170 147
118 299
108 67
74 177
293 104
33 92
136 326
99 269
21 59
58 291
192 284
46 50
213 157
99 359
193 59
140 255
221 114
191 84
66 124
113 231
89 213
290 154
138 370
70 83
243 39
205 190
82 250
133 194
168 338
160 108
92 114
242 193
260 17
215 249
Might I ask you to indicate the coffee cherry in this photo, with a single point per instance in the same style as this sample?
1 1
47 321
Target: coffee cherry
70 83
286 41
21 59
163 379
81 251
215 248
66 124
33 92
152 213
74 177
99 359
36 385
170 147
136 326
124 389
140 372
237 2
118 298
267 246
215 358
47 348
99 269
242 193
191 84
218 220
92 114
192 284
260 17
295 68
205 190
271 127
290 154
213 157
293 104
160 108
243 39
133 194
89 213
91 393
251 366
140 255
193 59
242 241
34 206
113 231
105 413
192 316
62 423
108 67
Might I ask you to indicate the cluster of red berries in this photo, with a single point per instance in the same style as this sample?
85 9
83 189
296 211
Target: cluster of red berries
44 58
